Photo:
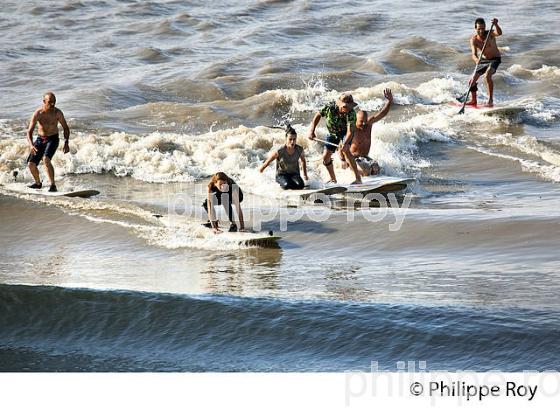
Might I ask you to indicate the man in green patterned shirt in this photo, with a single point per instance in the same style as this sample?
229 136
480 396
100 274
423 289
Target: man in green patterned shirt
340 119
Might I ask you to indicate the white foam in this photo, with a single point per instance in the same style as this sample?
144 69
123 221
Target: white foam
176 235
544 110
171 233
181 157
315 94
545 72
167 157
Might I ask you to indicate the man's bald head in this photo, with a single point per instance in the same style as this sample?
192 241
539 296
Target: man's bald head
361 119
49 96
49 99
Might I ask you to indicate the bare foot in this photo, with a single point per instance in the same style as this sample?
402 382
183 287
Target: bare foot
472 102
332 181
489 104
356 182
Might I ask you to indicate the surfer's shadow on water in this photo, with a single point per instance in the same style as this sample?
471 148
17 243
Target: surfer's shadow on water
235 273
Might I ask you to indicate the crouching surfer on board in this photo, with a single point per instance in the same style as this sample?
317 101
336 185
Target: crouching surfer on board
222 190
44 147
340 118
488 61
288 158
361 143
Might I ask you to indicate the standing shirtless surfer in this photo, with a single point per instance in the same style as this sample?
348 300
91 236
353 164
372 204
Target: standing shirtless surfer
488 61
361 143
44 147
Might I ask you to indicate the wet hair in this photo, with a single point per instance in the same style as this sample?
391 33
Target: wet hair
219 176
290 130
479 20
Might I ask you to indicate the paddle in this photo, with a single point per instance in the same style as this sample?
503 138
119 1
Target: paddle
325 142
462 111
316 139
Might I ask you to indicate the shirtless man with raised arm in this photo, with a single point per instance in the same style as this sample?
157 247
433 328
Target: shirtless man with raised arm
489 61
361 143
44 147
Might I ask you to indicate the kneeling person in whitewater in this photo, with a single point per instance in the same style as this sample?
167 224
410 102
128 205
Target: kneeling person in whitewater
222 190
340 118
361 143
489 61
287 159
44 147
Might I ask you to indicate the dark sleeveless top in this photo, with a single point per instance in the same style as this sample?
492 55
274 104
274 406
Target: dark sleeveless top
219 193
286 163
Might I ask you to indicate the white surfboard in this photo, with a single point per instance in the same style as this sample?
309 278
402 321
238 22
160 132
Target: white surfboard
499 110
379 184
305 194
373 184
23 189
251 238
262 238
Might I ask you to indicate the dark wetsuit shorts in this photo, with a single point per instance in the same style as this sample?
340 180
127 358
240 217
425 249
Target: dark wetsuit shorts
484 64
46 146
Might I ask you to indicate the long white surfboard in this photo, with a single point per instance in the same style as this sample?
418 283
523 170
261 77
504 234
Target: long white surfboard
248 238
261 238
379 184
499 110
307 193
23 189
373 184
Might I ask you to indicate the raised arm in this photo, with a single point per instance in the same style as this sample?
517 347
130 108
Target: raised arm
271 158
62 121
498 28
313 125
379 115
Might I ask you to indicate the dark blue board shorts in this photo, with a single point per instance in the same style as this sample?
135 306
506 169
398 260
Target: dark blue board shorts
46 146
